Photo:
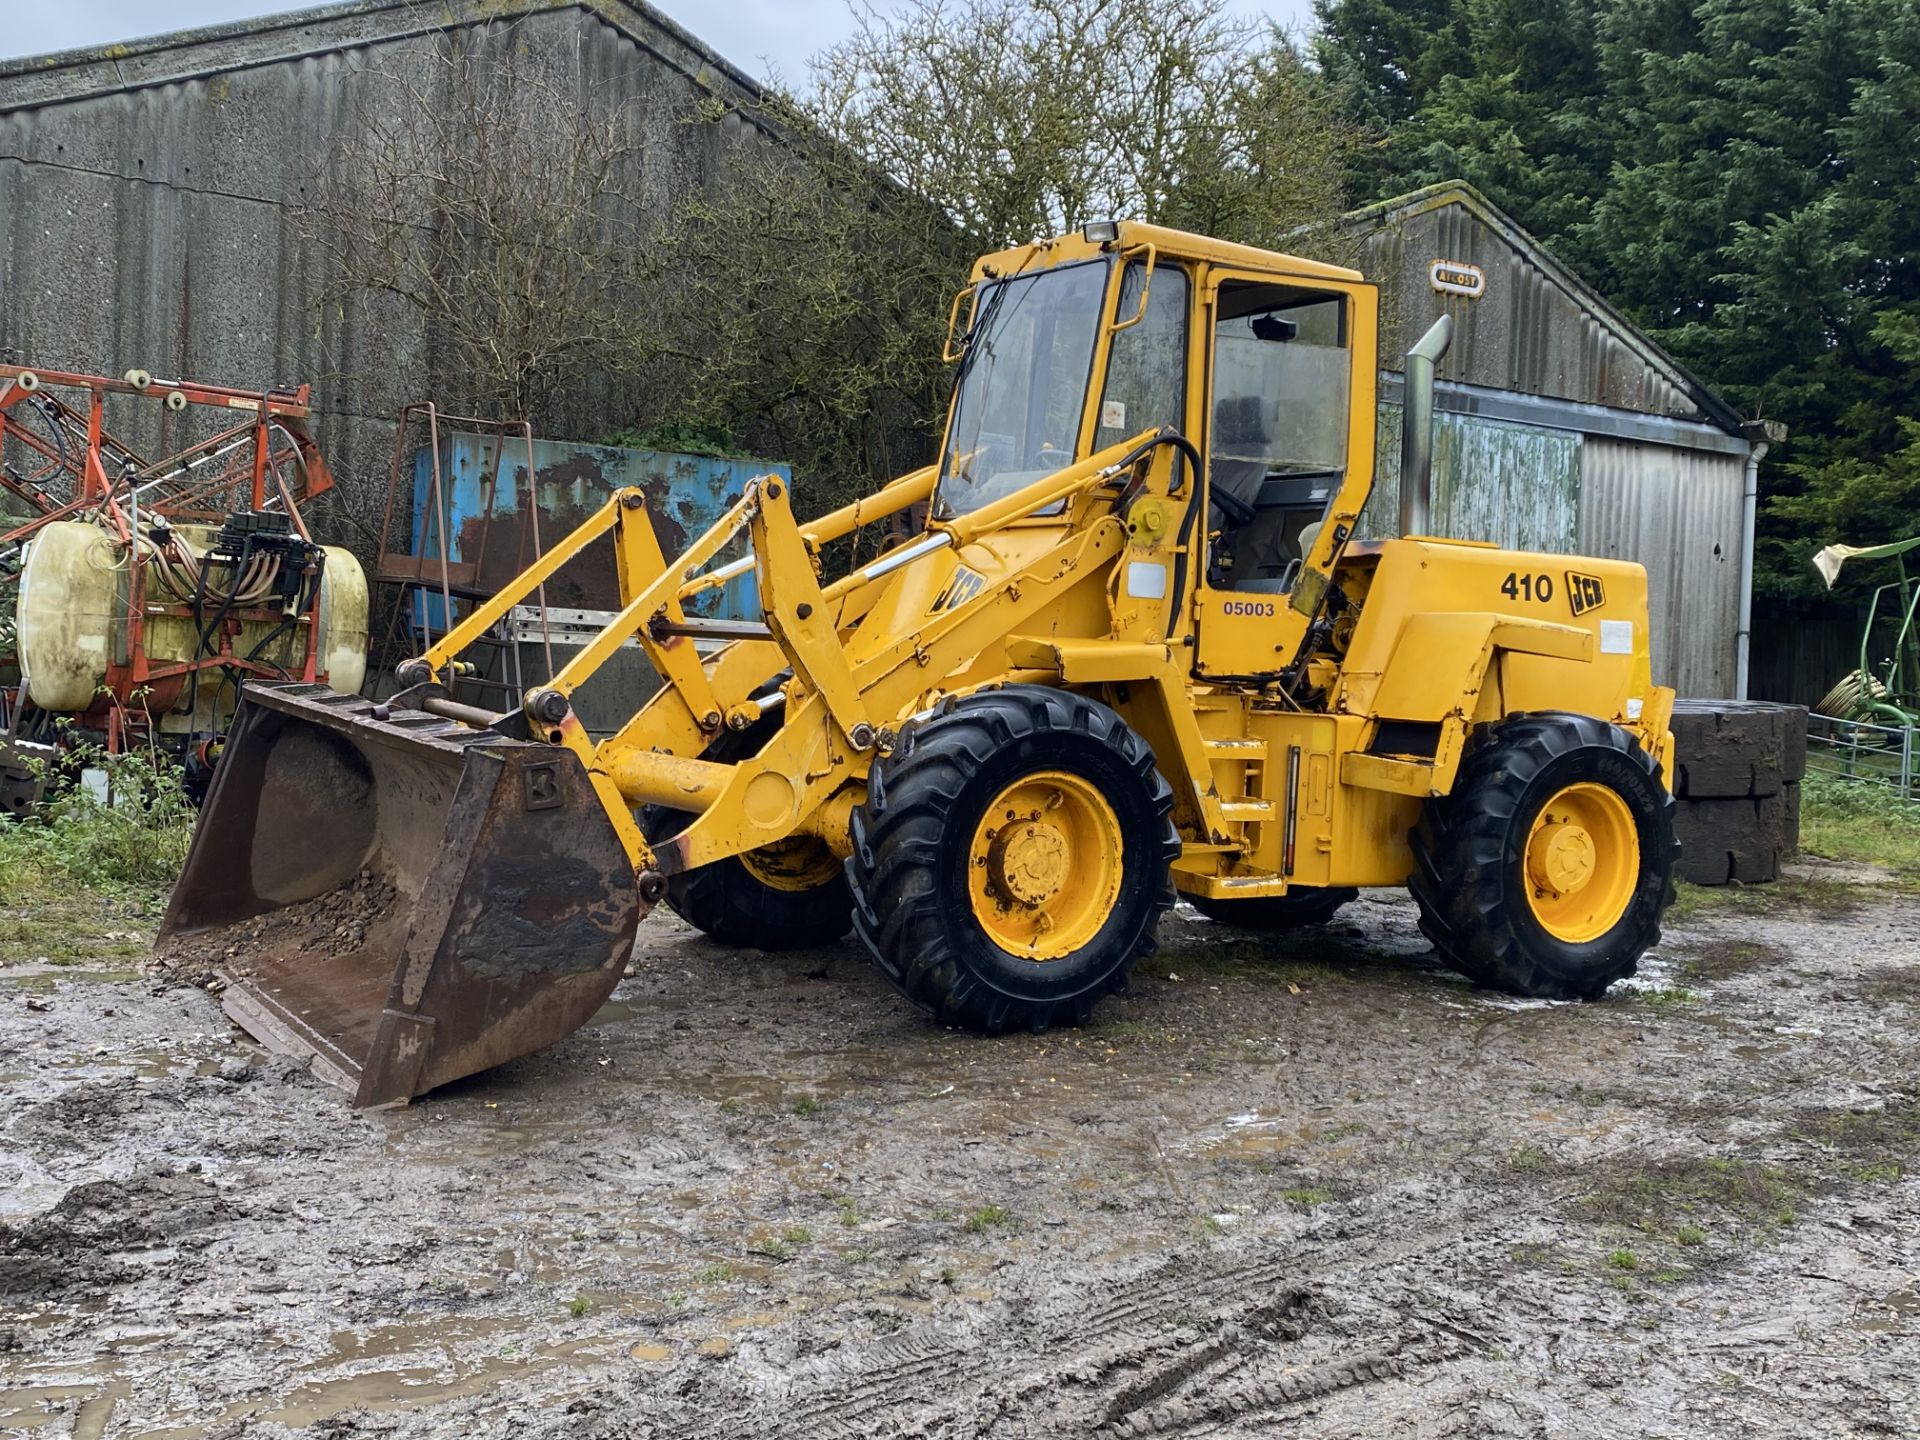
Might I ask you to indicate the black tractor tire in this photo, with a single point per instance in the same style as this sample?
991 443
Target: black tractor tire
1302 905
1470 851
911 868
729 903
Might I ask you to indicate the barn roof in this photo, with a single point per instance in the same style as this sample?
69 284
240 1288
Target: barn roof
1538 328
215 49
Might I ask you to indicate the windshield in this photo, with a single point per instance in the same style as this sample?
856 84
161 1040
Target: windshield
1022 387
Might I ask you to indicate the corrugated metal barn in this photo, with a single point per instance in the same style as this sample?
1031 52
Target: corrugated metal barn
151 192
1561 427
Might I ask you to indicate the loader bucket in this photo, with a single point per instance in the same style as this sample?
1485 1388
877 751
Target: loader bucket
402 900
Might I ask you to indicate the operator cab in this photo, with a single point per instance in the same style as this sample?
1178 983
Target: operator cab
1262 363
1277 451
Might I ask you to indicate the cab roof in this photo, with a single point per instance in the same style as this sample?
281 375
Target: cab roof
1169 244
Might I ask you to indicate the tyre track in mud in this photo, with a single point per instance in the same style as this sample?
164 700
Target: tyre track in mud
1186 1345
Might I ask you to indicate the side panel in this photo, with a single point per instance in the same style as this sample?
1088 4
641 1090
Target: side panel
1605 598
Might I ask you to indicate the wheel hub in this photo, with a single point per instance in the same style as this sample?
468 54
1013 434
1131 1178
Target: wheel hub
796 864
1561 858
1045 865
1029 861
1582 859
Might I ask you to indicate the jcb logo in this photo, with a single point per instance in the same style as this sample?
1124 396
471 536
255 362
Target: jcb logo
1585 592
964 585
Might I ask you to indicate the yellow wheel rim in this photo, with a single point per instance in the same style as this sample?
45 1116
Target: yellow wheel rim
1582 862
1045 865
800 862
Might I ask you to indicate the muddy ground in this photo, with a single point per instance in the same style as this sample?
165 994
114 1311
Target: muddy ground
1315 1187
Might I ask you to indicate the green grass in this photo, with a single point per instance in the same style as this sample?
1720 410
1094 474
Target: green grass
136 839
1670 1198
1867 824
579 1306
1727 959
1872 1145
716 1274
1818 894
806 1105
1342 1131
1137 1030
1305 1197
82 880
1530 1159
1672 997
1307 976
987 1217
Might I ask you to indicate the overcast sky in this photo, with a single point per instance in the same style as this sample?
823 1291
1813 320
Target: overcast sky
757 35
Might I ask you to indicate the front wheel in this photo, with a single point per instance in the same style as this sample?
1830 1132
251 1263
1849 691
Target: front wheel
1012 859
1545 872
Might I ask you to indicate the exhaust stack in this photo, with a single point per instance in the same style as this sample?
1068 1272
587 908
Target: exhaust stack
1416 428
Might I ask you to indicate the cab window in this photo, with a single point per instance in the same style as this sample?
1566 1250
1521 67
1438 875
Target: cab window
1147 369
1277 447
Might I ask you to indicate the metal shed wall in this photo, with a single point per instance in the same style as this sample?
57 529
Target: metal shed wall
1517 486
1536 330
149 197
1678 512
1527 487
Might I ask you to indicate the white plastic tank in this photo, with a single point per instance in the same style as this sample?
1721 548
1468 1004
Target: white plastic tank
75 635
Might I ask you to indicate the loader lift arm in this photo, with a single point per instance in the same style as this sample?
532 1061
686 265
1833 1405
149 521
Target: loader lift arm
831 701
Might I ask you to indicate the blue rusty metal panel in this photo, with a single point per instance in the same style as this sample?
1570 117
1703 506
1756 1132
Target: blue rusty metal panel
488 526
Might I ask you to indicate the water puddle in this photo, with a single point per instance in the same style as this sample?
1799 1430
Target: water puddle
43 977
1251 1135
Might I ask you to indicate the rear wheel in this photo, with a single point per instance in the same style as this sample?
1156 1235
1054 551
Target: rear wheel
1546 871
1302 905
1012 859
790 895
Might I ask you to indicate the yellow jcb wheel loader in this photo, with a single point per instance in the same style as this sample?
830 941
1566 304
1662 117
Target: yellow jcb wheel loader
1135 651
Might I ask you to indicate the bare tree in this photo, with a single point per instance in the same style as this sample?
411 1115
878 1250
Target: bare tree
818 270
809 301
795 297
1025 117
504 207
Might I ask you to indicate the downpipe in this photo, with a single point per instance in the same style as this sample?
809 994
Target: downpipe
1416 428
1749 506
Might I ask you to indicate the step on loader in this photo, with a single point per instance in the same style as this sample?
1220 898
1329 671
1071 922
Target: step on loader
1139 649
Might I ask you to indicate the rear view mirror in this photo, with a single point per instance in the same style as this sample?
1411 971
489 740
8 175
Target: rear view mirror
956 345
1272 327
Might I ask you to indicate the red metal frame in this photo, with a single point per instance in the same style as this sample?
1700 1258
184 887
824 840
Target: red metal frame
180 485
108 478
